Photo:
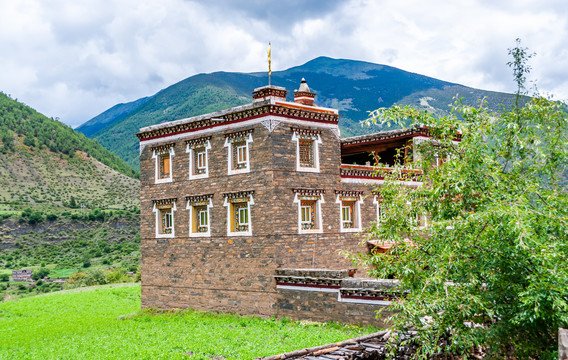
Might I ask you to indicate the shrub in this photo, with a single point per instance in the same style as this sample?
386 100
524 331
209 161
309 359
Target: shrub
4 277
40 274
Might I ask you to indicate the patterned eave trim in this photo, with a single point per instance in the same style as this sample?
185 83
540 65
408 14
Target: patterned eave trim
194 198
369 294
303 191
163 147
238 194
269 91
164 201
198 141
383 136
304 93
287 110
238 134
174 129
303 131
308 281
349 192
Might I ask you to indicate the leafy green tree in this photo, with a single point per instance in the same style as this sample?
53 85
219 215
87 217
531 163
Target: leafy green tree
489 269
40 274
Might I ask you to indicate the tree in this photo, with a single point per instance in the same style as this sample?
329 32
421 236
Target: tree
490 268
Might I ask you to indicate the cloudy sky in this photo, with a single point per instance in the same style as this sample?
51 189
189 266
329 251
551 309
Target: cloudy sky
73 59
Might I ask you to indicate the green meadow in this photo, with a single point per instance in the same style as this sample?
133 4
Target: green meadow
106 322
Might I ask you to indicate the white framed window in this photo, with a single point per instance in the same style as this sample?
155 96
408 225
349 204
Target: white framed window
239 213
199 207
306 215
346 215
238 152
163 156
349 210
164 211
242 155
198 150
307 149
309 210
201 160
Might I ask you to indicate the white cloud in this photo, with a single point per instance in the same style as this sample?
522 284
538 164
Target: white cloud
75 59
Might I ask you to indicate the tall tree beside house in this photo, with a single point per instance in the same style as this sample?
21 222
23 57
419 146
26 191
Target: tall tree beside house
489 268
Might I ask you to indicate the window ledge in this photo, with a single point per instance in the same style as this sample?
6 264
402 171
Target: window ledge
240 171
165 236
199 235
162 181
353 230
305 169
196 177
316 231
240 233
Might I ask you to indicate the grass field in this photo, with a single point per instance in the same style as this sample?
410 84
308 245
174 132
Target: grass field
106 323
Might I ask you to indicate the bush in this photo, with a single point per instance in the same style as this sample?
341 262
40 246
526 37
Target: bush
95 277
40 274
51 217
4 277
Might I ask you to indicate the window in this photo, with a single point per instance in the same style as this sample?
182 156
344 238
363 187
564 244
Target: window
306 152
198 150
241 155
164 210
239 216
164 164
238 146
307 149
199 222
167 221
163 155
201 161
309 210
349 215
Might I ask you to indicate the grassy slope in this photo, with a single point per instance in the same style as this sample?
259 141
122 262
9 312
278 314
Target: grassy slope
44 179
106 323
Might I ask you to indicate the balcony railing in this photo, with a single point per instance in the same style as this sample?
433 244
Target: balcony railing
374 173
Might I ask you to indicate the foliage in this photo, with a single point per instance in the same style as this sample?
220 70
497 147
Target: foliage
38 131
106 323
490 268
4 277
40 274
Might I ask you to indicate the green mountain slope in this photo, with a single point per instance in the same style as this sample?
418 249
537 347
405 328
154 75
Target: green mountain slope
353 87
46 164
113 114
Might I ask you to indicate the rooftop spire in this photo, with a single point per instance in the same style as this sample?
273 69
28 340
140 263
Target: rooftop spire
303 95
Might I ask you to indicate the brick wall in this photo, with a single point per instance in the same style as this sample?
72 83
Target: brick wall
235 273
323 295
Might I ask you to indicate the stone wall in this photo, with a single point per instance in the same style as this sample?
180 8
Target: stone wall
235 273
323 295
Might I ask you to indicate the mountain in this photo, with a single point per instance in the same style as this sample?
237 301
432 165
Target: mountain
353 87
46 165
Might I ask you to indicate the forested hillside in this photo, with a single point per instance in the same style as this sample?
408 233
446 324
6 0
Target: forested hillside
46 165
353 87
39 132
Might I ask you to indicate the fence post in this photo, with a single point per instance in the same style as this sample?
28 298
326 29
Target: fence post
562 344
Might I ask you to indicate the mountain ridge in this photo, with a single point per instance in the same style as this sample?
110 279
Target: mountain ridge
353 87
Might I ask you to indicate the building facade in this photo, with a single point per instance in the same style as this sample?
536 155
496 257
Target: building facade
229 198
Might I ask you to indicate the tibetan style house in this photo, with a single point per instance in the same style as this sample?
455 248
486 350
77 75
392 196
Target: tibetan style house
246 209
